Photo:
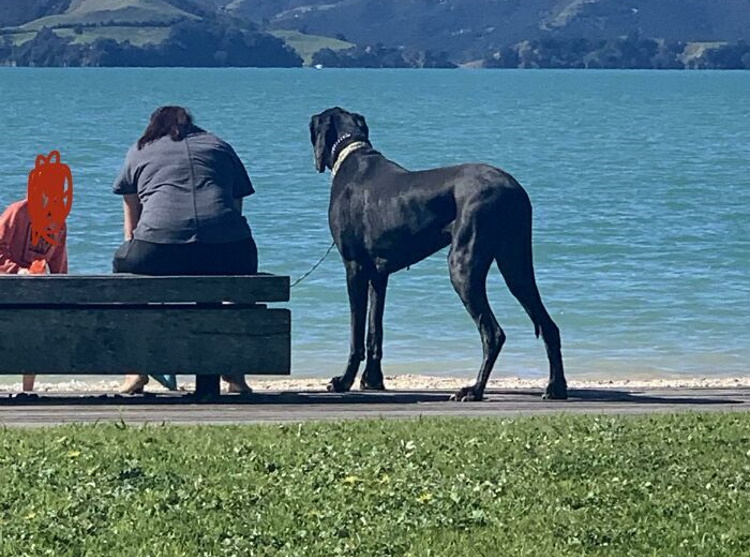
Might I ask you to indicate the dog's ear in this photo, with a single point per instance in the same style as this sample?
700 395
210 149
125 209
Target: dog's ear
362 125
320 127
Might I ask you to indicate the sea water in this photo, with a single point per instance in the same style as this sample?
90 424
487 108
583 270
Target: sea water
640 182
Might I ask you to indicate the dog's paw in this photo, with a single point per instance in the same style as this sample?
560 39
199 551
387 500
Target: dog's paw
366 385
556 391
337 385
467 394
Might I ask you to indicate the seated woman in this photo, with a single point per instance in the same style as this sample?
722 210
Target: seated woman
182 189
18 253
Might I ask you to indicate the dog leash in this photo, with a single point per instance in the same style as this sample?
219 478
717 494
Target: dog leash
308 273
349 149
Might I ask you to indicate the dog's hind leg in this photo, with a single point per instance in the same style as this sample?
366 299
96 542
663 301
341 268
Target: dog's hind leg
372 378
516 265
469 267
356 284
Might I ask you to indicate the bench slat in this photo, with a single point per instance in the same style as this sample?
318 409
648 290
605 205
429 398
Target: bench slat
138 289
91 341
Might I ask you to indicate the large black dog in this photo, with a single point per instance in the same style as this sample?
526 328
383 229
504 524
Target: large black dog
384 218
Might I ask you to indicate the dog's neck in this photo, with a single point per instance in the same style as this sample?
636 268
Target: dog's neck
339 143
339 154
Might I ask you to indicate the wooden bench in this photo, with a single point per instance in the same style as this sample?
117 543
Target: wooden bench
117 324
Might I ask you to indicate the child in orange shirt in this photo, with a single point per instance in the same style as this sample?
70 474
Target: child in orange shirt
17 253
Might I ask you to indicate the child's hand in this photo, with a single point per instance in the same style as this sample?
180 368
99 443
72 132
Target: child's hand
39 267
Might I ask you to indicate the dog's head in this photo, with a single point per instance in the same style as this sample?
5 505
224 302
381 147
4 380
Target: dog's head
331 125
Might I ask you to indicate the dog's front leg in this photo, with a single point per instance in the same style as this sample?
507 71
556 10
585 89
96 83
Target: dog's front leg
372 378
356 284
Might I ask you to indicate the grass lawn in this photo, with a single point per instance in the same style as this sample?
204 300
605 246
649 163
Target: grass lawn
118 11
19 38
547 486
307 45
136 35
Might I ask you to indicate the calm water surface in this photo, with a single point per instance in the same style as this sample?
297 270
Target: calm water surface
640 182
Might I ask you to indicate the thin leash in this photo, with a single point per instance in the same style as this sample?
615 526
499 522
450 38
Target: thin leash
308 273
339 159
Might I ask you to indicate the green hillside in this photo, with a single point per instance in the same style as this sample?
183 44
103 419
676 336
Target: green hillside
411 33
469 28
141 22
18 12
307 45
112 12
138 21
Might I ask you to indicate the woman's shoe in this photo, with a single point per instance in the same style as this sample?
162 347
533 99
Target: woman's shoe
237 384
134 384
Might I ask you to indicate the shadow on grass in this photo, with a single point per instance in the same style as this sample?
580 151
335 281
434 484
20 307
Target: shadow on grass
510 397
679 397
183 398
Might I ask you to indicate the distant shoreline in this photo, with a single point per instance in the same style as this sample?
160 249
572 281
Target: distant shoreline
217 48
464 67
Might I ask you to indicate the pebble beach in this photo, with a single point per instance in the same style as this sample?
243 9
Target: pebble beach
395 383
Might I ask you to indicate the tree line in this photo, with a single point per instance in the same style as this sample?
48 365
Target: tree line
630 52
380 56
221 44
190 44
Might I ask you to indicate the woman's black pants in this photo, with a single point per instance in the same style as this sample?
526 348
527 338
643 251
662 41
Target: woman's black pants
196 258
145 258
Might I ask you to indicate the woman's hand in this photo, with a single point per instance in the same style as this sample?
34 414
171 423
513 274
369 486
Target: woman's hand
132 208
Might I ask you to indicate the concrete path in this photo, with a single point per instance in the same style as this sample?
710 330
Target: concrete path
48 409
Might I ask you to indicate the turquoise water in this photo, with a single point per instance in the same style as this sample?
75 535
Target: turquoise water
640 182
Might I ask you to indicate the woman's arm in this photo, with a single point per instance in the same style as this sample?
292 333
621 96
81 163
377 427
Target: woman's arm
241 186
238 205
132 207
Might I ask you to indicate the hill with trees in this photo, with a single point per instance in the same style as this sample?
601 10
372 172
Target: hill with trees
138 33
379 33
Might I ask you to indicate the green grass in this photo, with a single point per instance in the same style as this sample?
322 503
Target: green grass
307 45
102 13
138 36
562 486
20 38
119 11
698 49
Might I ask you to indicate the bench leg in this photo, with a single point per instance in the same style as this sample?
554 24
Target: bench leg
207 386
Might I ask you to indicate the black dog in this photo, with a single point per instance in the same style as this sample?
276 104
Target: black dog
384 218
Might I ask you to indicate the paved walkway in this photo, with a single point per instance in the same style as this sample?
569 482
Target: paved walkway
48 409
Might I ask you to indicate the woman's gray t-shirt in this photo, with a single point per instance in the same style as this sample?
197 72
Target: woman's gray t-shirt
187 189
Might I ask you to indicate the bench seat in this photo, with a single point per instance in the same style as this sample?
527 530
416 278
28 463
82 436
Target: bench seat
117 324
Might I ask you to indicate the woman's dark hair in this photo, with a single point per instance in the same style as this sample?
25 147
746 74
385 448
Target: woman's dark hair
174 121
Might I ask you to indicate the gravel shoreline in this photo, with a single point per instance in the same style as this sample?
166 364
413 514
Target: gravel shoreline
398 383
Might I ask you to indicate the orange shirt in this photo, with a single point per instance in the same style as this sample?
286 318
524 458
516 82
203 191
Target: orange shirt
16 250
